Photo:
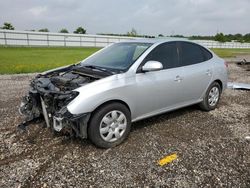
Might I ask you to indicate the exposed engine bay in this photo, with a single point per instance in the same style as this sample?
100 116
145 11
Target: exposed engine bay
50 93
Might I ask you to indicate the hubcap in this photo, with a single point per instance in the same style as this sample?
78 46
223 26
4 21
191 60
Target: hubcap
213 96
113 126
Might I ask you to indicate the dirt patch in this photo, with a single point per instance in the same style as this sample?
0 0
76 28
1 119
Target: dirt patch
211 147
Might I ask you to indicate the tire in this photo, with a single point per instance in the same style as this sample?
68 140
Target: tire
109 125
209 102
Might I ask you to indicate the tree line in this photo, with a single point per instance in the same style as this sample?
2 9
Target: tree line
79 30
132 33
221 37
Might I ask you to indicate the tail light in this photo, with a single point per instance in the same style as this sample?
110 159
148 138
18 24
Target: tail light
226 64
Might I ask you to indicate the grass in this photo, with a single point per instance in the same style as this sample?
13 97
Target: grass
230 52
38 59
27 59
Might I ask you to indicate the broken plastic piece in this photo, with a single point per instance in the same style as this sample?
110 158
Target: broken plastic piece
240 86
243 62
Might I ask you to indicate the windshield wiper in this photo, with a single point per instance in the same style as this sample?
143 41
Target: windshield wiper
99 68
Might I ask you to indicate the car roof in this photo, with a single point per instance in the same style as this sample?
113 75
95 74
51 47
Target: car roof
157 40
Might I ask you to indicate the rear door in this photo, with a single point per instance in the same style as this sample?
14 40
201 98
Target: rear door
197 70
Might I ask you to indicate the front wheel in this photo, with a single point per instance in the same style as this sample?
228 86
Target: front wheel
110 125
211 97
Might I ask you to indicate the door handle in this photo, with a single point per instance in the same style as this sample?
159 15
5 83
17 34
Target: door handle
178 78
208 72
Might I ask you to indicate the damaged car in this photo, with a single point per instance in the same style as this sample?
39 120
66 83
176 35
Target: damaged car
102 95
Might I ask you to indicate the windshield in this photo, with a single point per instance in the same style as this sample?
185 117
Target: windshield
119 56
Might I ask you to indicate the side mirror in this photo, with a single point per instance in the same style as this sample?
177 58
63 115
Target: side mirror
152 66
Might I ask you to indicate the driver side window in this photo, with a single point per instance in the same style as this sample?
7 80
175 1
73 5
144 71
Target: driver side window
166 54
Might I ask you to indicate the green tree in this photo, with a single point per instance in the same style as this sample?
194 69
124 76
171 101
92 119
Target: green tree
239 37
43 30
160 35
8 26
247 37
63 31
220 37
80 30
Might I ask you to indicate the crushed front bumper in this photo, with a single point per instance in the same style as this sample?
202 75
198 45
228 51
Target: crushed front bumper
60 121
64 120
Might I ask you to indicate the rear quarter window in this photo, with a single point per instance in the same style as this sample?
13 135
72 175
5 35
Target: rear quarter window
207 55
191 53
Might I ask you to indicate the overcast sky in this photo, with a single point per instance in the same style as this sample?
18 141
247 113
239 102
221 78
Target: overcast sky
153 17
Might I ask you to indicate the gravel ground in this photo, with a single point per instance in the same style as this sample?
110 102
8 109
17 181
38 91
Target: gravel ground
212 147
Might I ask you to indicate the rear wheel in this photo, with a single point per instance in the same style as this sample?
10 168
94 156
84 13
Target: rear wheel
109 125
211 97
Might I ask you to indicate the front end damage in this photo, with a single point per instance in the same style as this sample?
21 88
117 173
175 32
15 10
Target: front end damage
49 95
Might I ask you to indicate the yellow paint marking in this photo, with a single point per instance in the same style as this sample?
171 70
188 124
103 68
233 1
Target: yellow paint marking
167 159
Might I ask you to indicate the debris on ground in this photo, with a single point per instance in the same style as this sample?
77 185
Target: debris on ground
235 85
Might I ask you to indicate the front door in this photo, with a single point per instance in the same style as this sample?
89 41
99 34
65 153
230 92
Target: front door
158 90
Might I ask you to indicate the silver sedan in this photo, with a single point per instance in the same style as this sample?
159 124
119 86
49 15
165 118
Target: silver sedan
101 96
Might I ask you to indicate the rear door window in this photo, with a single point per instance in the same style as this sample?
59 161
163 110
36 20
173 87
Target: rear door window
190 53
